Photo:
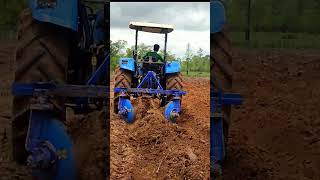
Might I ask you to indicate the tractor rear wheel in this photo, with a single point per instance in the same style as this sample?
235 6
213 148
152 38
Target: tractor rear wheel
173 81
123 79
41 56
221 72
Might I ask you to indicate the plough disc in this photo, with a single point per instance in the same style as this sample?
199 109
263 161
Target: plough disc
65 167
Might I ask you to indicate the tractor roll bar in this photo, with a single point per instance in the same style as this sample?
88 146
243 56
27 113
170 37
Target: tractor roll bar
165 47
136 47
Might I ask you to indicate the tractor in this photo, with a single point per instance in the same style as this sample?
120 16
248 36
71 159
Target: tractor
136 76
61 61
221 85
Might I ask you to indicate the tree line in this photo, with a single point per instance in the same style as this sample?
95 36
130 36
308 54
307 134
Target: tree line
192 62
274 15
10 10
266 15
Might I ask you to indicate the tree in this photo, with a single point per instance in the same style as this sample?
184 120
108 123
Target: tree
200 52
169 56
188 56
116 49
143 49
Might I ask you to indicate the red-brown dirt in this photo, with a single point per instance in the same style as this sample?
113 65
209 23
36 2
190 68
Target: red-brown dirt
275 134
153 148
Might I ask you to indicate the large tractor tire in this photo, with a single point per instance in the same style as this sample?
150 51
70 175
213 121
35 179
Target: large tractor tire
173 81
41 56
123 79
221 72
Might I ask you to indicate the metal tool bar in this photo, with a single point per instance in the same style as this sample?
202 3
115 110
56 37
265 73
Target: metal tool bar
150 91
226 98
22 89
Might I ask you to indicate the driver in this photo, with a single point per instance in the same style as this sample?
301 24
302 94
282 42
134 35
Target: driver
154 54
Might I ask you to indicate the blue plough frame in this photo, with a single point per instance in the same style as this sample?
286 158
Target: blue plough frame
172 110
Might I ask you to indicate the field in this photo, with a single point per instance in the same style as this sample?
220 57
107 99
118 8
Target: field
276 40
196 74
153 148
275 134
8 169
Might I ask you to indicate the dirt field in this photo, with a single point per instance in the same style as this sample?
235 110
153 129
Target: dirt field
8 169
87 131
276 133
153 148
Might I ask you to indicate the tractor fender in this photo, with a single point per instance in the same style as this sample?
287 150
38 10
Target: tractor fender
127 64
60 12
173 67
217 16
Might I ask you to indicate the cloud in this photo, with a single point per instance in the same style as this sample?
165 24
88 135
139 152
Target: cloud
183 15
191 21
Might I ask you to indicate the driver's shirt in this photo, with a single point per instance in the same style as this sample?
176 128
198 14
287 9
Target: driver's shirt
155 55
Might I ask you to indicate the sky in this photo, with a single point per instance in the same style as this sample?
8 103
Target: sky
191 21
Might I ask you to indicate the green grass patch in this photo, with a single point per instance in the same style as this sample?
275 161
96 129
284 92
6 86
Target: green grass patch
196 74
276 40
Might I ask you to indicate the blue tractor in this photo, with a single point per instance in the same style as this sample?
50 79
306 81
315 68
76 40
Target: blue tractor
146 76
61 61
221 86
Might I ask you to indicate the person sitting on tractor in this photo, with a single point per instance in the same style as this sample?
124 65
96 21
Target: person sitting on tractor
154 54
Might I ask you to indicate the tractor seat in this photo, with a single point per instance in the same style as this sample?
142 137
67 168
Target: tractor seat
150 64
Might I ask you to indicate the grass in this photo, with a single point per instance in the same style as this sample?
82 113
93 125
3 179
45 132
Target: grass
196 74
276 40
7 33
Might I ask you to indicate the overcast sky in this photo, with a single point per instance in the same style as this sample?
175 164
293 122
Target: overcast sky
191 21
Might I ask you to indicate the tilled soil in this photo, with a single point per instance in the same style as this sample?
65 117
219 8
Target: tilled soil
8 169
153 148
87 132
275 134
